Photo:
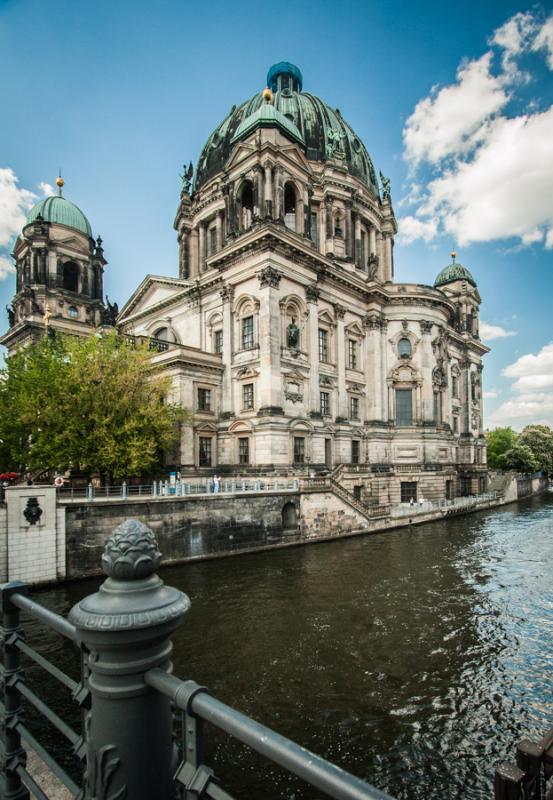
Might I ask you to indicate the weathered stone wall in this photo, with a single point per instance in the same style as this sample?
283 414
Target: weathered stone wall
185 527
324 514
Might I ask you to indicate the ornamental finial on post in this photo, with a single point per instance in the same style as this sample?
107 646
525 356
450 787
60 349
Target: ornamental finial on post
131 552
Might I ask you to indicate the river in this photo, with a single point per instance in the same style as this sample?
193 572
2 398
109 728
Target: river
415 658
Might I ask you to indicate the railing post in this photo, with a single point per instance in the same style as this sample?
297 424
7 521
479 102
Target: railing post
125 628
14 756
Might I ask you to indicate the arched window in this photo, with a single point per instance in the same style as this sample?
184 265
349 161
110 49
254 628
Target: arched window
71 276
404 348
246 202
290 206
289 517
162 333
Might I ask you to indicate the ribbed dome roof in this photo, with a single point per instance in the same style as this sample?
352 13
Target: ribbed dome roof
324 132
58 209
454 272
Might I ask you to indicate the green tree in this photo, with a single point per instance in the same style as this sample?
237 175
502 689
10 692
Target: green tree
499 441
539 438
94 404
520 458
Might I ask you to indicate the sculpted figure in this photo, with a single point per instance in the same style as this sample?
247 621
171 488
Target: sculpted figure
293 334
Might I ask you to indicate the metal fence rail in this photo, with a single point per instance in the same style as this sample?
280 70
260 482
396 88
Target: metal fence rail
127 696
178 489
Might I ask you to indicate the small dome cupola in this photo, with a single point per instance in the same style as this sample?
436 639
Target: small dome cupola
60 210
453 272
283 76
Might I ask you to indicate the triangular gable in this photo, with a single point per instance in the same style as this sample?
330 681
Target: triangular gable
150 293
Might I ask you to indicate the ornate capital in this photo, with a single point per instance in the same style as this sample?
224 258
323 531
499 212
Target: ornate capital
269 277
312 293
426 326
339 310
227 293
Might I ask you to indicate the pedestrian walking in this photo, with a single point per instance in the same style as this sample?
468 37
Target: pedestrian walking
216 483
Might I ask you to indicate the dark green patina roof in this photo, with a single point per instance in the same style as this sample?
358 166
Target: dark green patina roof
267 116
454 272
58 209
323 132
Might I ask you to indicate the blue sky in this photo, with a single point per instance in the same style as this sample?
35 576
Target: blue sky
454 102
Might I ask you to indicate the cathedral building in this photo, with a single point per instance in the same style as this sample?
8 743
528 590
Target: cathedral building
285 333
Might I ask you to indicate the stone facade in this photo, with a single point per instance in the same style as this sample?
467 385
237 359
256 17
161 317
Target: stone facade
286 282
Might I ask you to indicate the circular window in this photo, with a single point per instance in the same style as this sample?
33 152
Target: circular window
356 145
404 348
72 311
286 93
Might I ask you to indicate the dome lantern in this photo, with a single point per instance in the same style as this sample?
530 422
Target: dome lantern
453 272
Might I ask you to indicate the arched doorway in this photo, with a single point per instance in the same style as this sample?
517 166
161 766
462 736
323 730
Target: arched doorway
71 276
289 517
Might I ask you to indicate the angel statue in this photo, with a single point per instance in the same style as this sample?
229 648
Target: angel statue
186 177
386 187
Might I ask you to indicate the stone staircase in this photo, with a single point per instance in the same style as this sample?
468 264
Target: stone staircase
500 483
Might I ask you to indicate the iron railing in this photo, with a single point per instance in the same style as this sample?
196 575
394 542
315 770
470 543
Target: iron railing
178 489
128 698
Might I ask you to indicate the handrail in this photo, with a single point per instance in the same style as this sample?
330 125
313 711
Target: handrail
191 697
46 616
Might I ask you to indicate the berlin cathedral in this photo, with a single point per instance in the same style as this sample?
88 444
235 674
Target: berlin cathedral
285 333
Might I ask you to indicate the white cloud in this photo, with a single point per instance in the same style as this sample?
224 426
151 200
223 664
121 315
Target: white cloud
544 40
532 401
489 332
411 228
453 120
14 203
490 173
489 395
46 188
6 267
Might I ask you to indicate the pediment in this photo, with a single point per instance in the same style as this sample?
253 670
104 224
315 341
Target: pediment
153 292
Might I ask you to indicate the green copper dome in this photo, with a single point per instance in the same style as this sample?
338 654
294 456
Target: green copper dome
58 209
454 272
323 132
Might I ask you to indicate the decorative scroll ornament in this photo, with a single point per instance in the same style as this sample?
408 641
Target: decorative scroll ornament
269 277
426 326
131 552
227 293
102 770
340 311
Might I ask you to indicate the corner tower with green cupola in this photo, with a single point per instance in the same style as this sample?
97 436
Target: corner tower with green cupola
59 274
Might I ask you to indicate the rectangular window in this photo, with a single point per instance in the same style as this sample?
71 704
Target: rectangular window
243 451
404 406
466 487
325 404
357 492
204 399
247 333
218 341
408 491
212 240
299 450
455 424
436 408
328 452
354 408
455 386
363 251
247 395
205 451
352 354
355 449
323 345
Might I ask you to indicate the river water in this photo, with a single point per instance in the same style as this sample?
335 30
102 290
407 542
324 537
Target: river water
415 659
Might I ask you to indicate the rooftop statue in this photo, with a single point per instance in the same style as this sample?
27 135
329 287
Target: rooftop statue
386 187
186 177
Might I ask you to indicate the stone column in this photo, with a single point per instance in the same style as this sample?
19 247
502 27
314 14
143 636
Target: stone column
312 296
372 240
427 363
227 396
341 362
380 254
201 257
194 253
358 241
268 190
300 215
329 233
349 230
373 368
387 257
219 229
125 628
322 228
270 378
307 220
388 407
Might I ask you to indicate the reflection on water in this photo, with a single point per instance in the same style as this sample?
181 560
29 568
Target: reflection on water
416 659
